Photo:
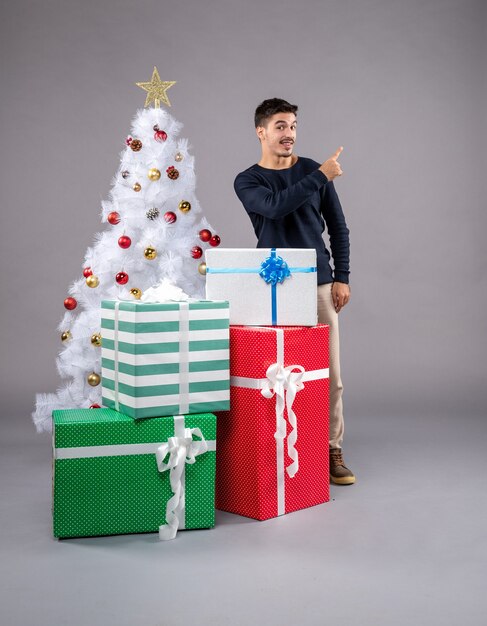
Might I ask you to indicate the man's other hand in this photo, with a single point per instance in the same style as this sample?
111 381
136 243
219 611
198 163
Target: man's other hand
340 294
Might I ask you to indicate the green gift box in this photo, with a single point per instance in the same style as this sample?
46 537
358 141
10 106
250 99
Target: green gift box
165 358
114 475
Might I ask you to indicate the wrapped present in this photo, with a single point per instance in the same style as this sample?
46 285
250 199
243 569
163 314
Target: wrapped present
264 286
114 475
273 444
165 358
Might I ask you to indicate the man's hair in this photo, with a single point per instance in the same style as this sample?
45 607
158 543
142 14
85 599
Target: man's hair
268 108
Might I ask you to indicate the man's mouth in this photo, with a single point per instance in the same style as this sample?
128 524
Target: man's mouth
287 143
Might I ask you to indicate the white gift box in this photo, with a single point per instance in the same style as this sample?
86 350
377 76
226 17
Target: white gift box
265 286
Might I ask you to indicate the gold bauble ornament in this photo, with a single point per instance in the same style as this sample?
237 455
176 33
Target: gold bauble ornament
202 269
137 187
66 335
136 292
178 157
185 206
154 173
96 339
93 379
150 253
92 281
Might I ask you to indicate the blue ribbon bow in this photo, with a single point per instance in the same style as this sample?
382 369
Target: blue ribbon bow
274 269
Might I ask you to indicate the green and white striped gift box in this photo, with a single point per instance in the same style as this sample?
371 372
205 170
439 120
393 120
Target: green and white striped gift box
165 358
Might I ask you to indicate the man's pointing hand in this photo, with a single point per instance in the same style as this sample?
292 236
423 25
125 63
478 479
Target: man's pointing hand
331 168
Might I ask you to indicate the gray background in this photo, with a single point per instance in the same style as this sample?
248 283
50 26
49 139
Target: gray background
398 84
401 85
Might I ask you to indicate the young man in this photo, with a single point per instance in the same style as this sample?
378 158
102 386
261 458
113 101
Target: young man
289 200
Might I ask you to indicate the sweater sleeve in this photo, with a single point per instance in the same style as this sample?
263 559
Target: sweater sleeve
258 198
338 232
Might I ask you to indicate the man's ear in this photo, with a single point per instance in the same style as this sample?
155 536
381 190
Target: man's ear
260 131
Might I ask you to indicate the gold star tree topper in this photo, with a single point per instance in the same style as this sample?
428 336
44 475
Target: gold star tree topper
156 90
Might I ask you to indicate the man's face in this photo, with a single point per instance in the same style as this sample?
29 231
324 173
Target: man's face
277 137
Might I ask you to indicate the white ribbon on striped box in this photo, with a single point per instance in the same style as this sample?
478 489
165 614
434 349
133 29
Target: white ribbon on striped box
283 383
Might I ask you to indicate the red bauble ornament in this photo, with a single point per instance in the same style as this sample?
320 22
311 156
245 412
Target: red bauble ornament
124 241
160 135
70 303
128 140
87 272
170 217
205 234
113 218
122 278
196 252
95 406
215 241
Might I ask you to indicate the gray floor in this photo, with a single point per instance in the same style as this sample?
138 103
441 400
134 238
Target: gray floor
405 545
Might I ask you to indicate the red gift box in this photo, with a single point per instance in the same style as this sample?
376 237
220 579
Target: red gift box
273 444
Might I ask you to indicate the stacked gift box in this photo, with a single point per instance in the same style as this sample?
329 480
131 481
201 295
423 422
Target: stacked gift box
147 461
252 352
273 443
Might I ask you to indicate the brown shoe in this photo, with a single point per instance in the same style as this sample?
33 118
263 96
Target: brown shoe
339 472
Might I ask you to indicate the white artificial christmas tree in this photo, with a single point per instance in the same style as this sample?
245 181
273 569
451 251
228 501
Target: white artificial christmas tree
155 231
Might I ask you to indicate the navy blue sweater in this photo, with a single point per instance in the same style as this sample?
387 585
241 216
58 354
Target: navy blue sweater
289 209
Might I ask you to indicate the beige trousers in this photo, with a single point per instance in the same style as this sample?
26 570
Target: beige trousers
328 315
